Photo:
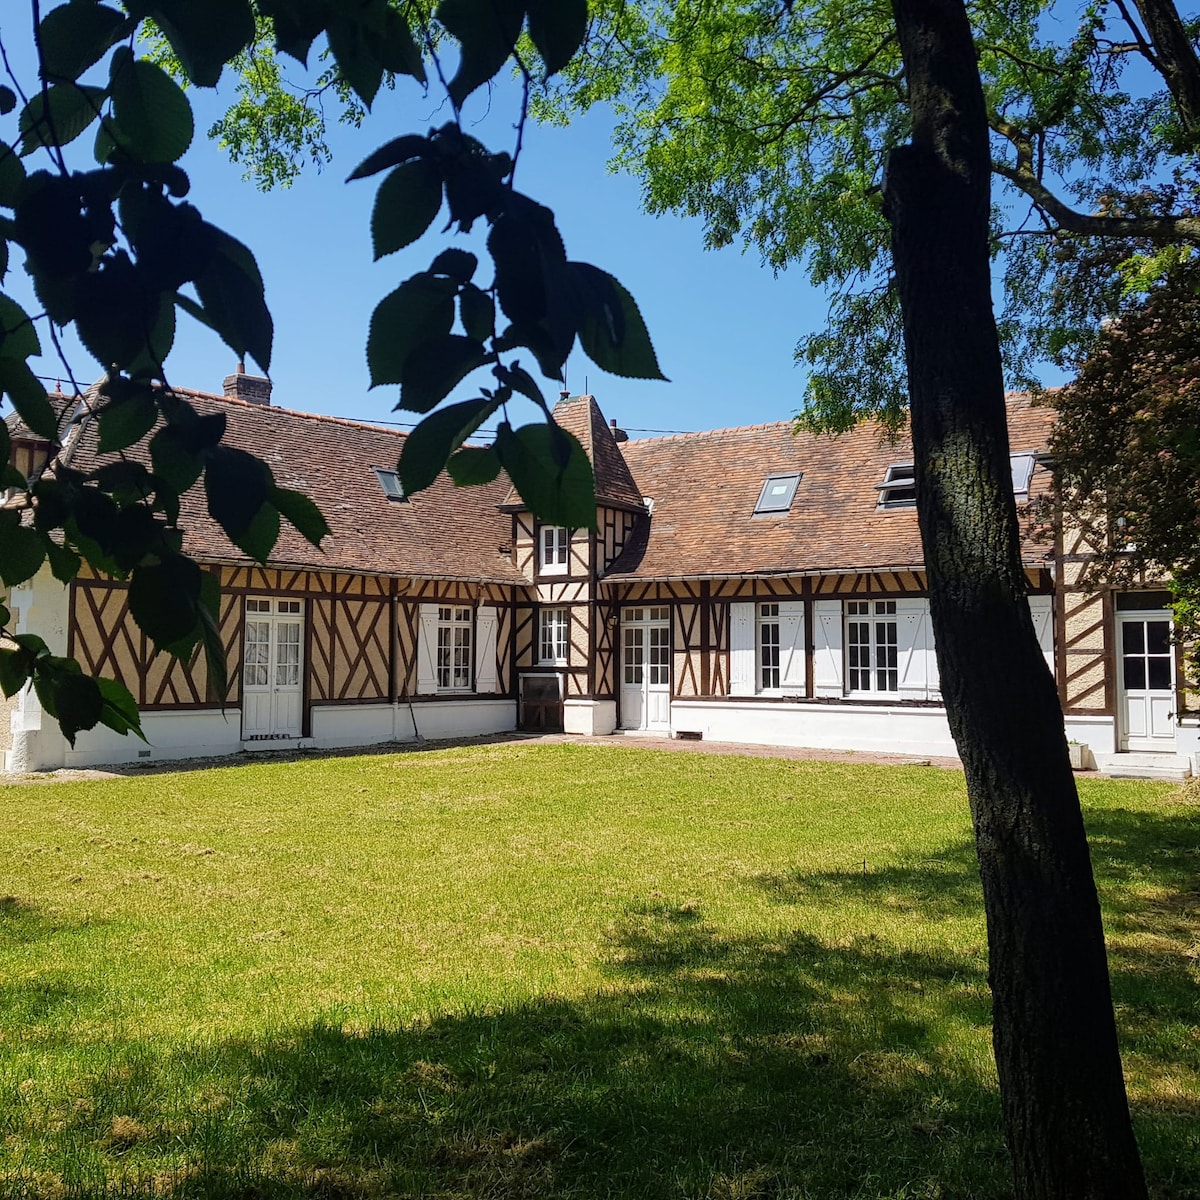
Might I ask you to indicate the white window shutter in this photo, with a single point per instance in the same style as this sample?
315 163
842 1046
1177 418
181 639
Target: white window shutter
912 637
791 647
827 648
1041 609
486 677
741 649
427 651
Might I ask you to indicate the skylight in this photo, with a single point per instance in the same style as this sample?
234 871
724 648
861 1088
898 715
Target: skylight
390 482
1022 472
777 493
898 489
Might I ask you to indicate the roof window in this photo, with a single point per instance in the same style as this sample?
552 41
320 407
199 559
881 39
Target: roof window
777 493
1022 472
390 482
899 488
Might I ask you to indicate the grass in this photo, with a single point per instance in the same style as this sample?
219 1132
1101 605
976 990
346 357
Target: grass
554 971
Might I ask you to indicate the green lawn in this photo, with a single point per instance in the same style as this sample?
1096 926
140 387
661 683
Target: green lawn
545 971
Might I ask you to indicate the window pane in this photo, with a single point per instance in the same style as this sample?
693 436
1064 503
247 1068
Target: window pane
1135 673
1133 637
1160 673
1158 637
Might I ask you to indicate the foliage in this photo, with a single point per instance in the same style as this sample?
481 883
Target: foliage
116 248
653 975
1127 447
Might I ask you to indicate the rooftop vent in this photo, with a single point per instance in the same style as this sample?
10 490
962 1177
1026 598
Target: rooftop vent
619 435
777 494
254 389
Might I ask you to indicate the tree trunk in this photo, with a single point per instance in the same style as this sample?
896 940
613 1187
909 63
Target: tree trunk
1062 1092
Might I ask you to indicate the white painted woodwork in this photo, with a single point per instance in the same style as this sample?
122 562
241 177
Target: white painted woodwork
487 679
827 648
1146 681
272 669
646 669
427 650
742 667
791 647
1041 609
914 646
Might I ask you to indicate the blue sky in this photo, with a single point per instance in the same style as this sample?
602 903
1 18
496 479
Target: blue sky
723 325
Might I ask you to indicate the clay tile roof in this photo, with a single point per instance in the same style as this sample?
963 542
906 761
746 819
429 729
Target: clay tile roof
64 408
443 532
615 485
704 488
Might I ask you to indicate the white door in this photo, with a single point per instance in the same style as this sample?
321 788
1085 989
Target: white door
272 692
646 669
1146 681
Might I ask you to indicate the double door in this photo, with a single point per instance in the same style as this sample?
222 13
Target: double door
646 669
272 688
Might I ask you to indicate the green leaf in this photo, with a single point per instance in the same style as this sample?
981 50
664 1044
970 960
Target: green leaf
64 562
22 550
478 312
15 666
126 418
560 495
153 118
237 485
473 465
114 314
204 35
405 206
521 381
557 28
231 291
486 31
432 442
458 264
302 513
297 23
8 100
164 599
12 175
177 461
75 36
394 47
259 537
355 57
421 308
58 115
436 367
18 337
392 154
77 703
611 330
118 707
28 397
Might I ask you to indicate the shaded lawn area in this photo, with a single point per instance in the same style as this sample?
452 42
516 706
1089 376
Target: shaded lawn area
545 971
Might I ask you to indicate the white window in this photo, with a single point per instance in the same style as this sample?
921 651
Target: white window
453 649
872 647
555 623
767 643
899 488
554 549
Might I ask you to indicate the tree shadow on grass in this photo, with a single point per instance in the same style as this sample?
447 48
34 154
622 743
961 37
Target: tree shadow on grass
710 1065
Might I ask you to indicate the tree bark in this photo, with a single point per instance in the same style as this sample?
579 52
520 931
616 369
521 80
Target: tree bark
1063 1095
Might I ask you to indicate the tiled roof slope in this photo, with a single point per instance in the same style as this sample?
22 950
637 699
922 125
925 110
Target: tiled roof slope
615 485
443 532
64 409
704 487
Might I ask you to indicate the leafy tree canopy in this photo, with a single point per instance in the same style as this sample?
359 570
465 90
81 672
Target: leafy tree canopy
117 247
1127 448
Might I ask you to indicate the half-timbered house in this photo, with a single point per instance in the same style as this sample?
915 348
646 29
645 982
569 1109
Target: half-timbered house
744 585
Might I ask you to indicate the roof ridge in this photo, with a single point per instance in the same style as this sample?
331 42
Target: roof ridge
237 402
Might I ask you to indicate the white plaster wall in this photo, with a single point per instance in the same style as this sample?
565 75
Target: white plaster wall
37 744
337 725
885 729
463 718
1099 734
595 718
188 734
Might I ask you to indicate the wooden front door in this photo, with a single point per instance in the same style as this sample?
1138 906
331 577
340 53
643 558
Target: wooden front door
272 688
1146 681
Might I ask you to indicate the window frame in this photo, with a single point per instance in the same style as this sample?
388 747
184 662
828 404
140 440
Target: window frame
768 675
791 481
389 481
894 481
875 615
554 633
454 653
554 558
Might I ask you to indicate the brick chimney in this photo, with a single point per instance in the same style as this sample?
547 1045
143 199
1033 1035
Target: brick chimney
254 389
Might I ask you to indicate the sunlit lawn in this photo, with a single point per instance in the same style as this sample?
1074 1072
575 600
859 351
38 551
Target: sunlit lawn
545 971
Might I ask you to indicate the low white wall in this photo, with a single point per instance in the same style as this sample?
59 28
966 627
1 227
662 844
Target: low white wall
886 729
462 718
335 726
1098 733
188 734
595 718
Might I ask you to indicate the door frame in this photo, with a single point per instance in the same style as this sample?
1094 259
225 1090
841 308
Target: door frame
274 619
1122 616
645 624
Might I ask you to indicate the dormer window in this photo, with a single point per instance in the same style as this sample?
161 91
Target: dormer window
390 482
899 488
554 549
777 493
